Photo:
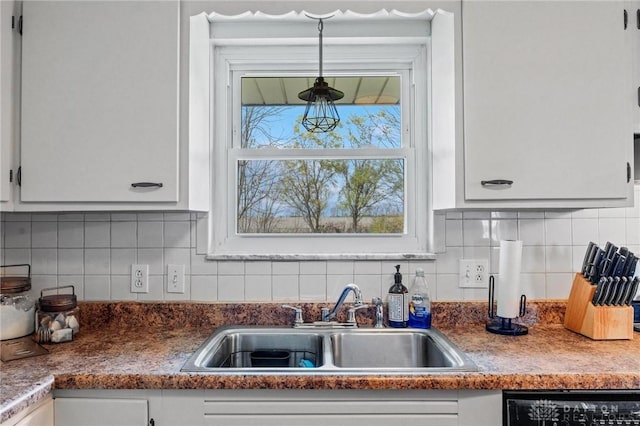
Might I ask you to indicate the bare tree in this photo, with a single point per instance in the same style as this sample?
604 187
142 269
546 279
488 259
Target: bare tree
257 180
306 184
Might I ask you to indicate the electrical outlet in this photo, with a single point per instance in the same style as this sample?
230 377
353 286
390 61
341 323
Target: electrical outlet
139 278
175 278
474 273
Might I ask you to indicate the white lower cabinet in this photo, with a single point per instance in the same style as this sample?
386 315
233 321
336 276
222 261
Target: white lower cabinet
278 407
39 415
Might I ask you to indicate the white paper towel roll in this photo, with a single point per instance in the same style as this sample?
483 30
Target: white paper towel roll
508 288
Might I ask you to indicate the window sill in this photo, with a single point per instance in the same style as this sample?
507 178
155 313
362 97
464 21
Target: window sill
323 256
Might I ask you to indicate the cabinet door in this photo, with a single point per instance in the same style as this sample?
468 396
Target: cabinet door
634 28
546 100
42 416
98 411
8 99
99 101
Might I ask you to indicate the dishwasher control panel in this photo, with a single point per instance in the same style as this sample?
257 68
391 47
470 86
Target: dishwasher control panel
569 408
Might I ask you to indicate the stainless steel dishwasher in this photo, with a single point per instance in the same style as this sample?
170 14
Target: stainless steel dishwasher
569 408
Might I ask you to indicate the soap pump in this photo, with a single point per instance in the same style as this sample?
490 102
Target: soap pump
398 302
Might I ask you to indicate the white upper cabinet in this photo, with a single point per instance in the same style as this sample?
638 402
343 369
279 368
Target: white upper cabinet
100 105
8 99
633 27
546 89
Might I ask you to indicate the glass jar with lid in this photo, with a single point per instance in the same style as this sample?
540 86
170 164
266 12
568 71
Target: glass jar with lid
58 316
16 305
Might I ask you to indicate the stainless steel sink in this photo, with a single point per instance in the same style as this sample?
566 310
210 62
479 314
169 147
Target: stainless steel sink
274 350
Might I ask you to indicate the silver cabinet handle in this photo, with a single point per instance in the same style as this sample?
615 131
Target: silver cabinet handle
146 184
496 182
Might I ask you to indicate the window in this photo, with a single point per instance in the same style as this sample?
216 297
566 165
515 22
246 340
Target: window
360 190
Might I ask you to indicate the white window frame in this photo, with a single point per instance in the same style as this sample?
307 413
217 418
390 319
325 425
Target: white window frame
247 46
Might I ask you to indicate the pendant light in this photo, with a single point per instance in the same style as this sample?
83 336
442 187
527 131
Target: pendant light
320 115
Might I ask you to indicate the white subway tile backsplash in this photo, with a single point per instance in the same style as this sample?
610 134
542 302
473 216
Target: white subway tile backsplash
177 234
612 229
70 261
156 289
231 268
633 230
44 234
122 259
313 268
533 259
584 231
70 234
285 288
150 234
204 288
367 267
71 217
16 256
313 287
44 261
557 232
558 286
336 283
77 281
285 268
448 289
97 287
154 257
201 266
42 282
178 256
96 251
257 288
476 232
340 267
453 233
97 234
120 288
17 235
370 285
531 232
258 268
231 288
124 234
97 261
503 229
559 258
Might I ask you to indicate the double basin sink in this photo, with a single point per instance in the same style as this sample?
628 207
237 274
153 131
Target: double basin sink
318 350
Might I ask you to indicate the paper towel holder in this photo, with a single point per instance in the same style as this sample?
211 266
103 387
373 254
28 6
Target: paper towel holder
504 326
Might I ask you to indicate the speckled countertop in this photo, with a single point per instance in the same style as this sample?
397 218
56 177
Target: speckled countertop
144 345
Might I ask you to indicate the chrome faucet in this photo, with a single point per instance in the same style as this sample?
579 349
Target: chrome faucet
357 295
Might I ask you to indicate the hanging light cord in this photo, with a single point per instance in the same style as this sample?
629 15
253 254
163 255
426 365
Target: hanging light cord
320 28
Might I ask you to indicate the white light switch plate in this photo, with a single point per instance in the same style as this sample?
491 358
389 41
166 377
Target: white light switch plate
175 278
474 273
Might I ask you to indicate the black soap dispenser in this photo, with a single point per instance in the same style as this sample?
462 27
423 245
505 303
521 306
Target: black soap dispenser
398 302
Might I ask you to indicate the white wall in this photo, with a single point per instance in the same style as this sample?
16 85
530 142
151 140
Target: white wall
94 252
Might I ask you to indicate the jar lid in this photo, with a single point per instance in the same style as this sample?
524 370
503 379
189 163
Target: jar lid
15 283
12 285
58 302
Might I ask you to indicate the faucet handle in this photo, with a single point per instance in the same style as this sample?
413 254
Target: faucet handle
351 314
298 318
379 312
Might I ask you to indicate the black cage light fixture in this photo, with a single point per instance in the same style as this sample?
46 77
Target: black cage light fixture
321 114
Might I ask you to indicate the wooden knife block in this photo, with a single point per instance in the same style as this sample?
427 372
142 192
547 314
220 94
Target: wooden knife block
596 322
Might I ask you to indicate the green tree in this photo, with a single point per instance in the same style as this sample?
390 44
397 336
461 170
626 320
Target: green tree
306 184
371 186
